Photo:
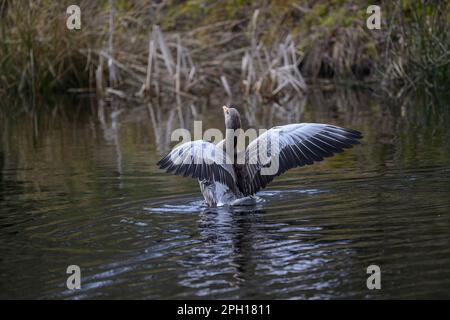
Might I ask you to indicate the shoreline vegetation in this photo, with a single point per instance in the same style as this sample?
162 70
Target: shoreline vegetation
193 48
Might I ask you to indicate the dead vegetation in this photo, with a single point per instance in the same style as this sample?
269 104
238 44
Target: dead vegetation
270 70
147 49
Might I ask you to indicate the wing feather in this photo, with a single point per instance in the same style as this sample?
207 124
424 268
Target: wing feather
292 145
202 160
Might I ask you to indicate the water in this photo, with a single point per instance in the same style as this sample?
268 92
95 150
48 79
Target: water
81 187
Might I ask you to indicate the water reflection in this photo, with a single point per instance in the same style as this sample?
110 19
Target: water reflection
79 185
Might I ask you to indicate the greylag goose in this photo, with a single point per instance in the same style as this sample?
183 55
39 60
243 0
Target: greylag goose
228 175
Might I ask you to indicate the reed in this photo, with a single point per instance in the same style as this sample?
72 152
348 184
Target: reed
418 51
37 55
144 49
268 71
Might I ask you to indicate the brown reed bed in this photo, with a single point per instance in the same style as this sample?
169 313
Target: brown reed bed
147 49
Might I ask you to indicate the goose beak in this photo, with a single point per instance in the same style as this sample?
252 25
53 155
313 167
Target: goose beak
225 109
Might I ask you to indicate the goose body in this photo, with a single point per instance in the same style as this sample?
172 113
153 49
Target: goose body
229 176
219 194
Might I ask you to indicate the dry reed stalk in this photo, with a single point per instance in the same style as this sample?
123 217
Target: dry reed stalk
268 72
99 77
226 86
162 70
151 46
111 66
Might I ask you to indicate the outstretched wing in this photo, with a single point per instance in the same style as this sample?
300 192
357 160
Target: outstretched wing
282 148
202 160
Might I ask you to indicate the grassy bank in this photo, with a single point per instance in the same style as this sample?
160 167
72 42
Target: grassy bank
243 47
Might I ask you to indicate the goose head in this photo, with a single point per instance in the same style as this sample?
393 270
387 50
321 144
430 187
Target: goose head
232 118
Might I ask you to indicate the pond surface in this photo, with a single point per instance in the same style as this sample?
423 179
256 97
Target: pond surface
79 187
